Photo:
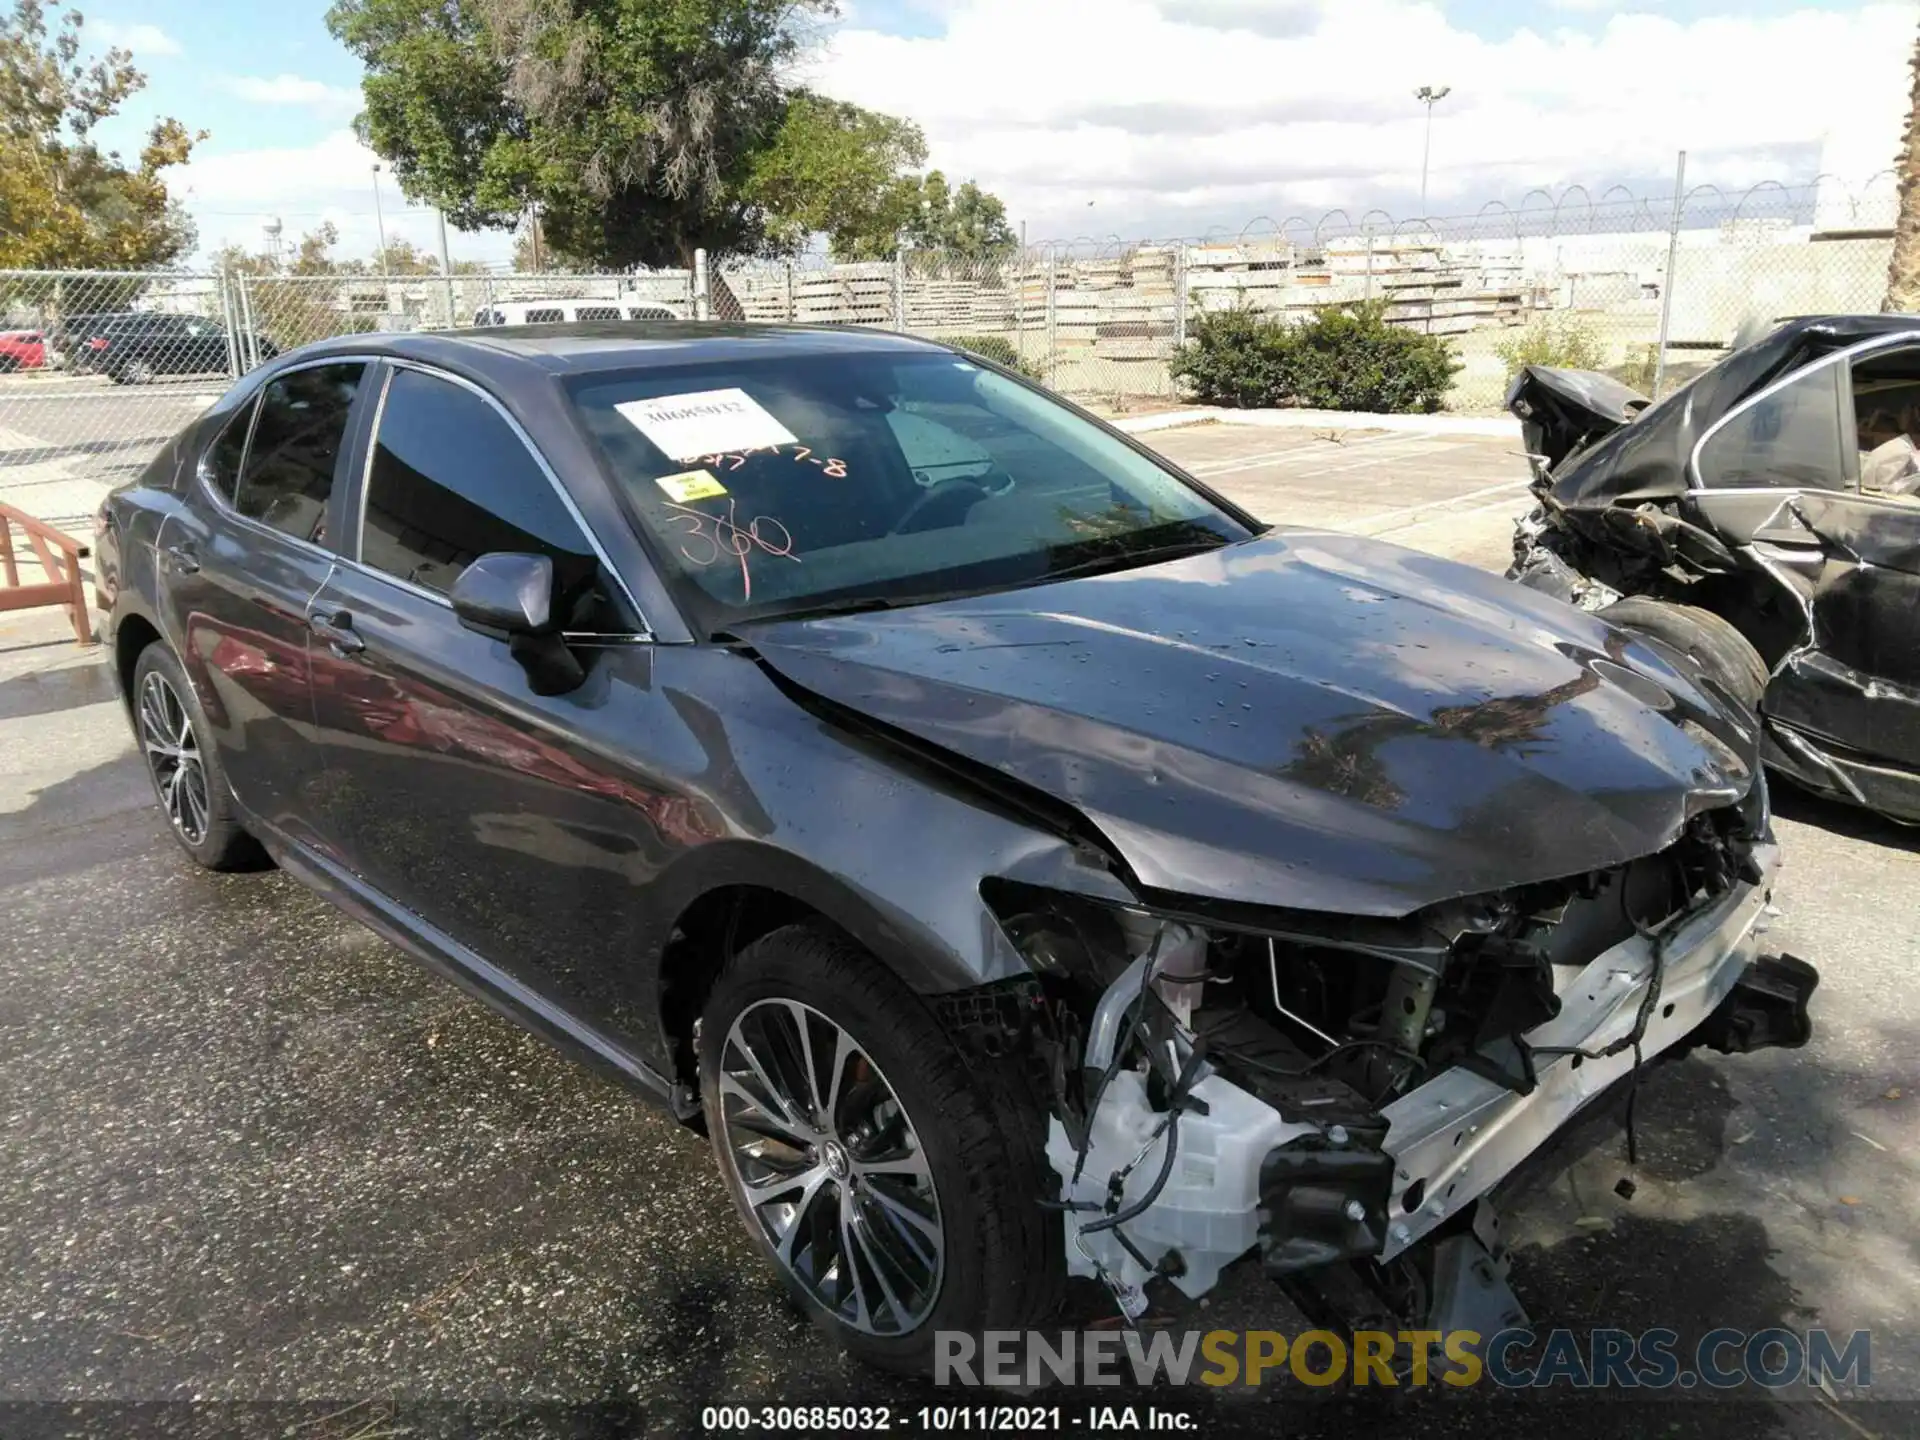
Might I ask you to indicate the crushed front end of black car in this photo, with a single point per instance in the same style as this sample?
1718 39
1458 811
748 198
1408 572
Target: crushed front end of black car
1771 509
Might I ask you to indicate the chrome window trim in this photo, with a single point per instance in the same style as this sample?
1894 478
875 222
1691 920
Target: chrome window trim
394 365
220 502
1697 485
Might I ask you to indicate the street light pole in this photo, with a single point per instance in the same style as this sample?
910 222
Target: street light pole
446 265
380 228
379 221
1430 96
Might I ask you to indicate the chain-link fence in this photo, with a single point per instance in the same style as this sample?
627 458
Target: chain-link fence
97 369
1563 274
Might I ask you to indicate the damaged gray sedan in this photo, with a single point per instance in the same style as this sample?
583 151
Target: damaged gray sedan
1766 520
1021 861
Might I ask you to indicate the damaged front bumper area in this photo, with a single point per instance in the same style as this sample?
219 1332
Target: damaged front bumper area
1205 1126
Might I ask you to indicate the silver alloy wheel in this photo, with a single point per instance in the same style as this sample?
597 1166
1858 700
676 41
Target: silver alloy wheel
831 1167
139 372
173 755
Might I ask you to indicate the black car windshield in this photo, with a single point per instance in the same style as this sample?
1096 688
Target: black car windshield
818 482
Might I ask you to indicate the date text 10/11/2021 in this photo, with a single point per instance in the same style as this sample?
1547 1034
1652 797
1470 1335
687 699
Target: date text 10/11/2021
1005 1419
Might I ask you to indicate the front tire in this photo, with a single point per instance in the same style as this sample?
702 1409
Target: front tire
185 771
892 1194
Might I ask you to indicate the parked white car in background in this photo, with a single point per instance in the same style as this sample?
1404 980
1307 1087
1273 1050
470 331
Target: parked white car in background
554 312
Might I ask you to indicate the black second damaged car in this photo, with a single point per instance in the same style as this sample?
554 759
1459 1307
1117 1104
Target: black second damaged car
1021 860
1766 519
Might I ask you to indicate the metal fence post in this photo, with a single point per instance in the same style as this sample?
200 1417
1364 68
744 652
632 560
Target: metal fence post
1020 300
229 324
899 289
446 266
1179 293
1053 349
249 342
790 311
1673 265
1366 238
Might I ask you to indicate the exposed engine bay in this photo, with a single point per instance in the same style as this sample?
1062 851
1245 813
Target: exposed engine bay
1221 1081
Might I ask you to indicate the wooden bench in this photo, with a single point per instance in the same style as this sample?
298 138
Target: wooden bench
60 556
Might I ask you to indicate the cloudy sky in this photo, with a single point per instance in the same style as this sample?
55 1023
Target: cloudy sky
1150 117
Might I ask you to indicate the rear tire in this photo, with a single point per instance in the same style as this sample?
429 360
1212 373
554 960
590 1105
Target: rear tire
172 733
1709 641
956 1155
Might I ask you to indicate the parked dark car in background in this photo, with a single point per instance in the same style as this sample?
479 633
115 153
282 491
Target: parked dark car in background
1765 518
68 336
136 349
968 815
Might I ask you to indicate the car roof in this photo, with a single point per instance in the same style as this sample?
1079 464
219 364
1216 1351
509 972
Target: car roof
585 346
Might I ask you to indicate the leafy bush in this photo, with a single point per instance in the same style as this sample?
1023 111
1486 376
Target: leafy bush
1346 358
1235 358
1350 358
1640 369
996 348
1558 340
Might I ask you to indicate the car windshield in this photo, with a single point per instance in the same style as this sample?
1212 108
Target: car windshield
824 482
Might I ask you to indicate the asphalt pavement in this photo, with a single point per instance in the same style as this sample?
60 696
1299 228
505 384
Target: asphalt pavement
255 1154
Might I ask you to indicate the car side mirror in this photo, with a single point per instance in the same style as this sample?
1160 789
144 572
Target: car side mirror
509 596
503 594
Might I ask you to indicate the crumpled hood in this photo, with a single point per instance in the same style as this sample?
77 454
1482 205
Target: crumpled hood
1306 720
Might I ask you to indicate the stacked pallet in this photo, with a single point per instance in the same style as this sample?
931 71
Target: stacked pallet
958 306
859 294
765 294
1117 308
1423 286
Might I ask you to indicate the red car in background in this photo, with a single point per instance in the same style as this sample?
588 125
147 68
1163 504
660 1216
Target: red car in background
22 350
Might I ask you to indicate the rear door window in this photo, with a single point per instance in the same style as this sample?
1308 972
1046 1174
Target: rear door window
220 466
545 317
598 312
295 450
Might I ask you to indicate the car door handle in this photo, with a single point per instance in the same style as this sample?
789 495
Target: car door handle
182 561
337 630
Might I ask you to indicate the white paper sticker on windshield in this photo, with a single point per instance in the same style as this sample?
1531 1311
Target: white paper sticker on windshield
705 422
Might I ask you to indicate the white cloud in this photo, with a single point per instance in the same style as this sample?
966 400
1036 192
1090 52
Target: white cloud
142 39
234 195
293 90
1174 113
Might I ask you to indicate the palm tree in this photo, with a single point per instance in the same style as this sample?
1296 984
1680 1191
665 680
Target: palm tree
1903 273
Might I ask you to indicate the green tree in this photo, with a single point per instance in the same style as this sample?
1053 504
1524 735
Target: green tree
300 297
403 257
837 170
1903 269
967 223
633 123
641 130
63 201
